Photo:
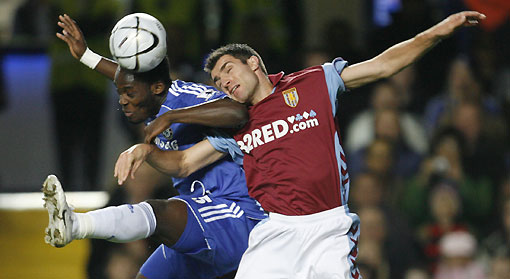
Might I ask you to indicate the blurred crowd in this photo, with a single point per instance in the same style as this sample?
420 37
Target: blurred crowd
428 149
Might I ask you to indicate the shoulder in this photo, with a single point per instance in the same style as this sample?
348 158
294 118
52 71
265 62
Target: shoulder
180 86
305 73
194 93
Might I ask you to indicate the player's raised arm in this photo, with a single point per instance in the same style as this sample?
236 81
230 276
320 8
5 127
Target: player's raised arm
401 55
222 113
73 36
174 163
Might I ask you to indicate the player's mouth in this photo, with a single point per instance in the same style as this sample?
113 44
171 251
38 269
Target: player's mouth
232 91
128 114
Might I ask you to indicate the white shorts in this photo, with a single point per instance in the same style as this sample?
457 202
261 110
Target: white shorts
320 245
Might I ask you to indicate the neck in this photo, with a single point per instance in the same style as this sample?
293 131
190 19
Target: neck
158 102
264 89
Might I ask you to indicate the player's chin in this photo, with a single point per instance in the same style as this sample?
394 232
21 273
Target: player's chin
134 120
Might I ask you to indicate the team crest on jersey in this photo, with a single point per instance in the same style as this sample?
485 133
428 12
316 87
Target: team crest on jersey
168 133
291 97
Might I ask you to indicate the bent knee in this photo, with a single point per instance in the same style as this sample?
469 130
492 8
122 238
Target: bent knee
169 209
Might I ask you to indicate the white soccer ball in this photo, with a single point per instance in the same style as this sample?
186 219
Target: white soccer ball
138 42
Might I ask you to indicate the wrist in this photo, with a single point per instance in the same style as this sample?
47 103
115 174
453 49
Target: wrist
90 58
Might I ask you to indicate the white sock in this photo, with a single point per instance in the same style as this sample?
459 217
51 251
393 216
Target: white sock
122 223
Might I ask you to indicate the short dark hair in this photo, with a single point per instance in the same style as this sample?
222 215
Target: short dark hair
239 51
159 74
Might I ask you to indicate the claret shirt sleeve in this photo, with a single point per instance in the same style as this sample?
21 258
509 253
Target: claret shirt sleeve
223 143
336 86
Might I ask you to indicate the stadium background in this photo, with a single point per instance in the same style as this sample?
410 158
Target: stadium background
462 87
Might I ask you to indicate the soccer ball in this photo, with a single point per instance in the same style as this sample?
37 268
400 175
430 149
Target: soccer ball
138 42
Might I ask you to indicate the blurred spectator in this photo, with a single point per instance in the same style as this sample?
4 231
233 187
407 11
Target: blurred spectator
387 126
385 95
367 191
384 240
417 273
497 243
461 86
378 158
372 241
366 270
444 165
411 97
457 257
445 207
485 139
500 268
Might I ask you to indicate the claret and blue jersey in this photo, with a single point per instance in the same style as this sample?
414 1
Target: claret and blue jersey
223 178
291 148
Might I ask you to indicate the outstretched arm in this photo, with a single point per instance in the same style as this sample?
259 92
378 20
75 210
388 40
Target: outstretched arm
174 163
72 35
222 113
401 55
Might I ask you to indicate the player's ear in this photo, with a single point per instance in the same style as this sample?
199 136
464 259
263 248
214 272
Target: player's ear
253 62
157 88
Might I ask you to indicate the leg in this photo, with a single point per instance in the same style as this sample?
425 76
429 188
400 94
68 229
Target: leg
171 217
168 263
123 223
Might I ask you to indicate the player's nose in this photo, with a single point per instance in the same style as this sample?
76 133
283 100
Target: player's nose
122 101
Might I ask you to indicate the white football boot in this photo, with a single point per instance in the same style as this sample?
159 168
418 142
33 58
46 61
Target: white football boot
60 226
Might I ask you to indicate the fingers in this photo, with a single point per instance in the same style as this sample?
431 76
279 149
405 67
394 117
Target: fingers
155 128
69 26
471 18
122 168
474 15
128 162
149 133
64 37
135 167
149 136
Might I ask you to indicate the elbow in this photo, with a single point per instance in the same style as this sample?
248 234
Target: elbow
242 117
238 114
183 171
385 69
185 167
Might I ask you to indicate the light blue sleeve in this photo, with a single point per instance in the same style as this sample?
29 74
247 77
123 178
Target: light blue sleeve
224 143
336 86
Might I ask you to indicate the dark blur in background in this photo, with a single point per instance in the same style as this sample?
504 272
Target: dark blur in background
428 149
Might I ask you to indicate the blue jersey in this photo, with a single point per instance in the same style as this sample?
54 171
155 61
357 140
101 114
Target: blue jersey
223 178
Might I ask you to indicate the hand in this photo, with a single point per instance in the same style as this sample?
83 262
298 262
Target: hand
72 35
156 127
130 160
467 18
